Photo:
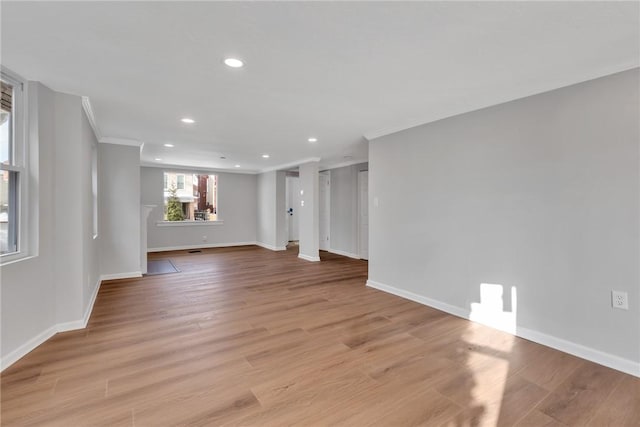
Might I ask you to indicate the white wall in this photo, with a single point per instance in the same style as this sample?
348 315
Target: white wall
237 208
52 290
540 194
119 219
344 209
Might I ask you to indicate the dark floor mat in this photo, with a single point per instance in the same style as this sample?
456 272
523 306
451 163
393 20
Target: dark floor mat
160 266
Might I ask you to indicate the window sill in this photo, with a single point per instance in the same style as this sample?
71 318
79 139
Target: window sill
187 223
13 258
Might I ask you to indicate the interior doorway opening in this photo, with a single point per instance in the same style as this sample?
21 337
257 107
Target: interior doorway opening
292 201
363 215
324 211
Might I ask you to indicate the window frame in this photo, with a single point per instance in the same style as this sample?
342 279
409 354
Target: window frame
188 222
18 164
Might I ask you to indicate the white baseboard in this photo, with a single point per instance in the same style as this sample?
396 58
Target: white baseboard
451 309
343 253
27 347
34 342
614 362
309 258
199 246
114 276
620 364
270 247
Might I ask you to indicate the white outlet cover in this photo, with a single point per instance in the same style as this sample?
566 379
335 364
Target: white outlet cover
619 300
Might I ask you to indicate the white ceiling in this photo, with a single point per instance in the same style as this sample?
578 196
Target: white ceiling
338 71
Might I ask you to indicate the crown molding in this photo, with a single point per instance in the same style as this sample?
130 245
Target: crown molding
291 164
88 110
121 141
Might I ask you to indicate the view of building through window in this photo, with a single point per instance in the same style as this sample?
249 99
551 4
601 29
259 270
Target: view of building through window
190 197
9 175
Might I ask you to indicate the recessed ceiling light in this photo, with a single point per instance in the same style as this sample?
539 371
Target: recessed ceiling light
158 159
312 139
237 166
233 62
265 156
168 145
187 120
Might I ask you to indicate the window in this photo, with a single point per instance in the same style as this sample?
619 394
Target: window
12 166
190 197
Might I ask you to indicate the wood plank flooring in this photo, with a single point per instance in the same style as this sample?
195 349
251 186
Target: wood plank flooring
247 336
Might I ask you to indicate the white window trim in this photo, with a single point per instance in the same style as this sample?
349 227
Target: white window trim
187 223
20 163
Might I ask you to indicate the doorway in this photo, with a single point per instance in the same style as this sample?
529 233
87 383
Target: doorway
324 199
363 215
292 200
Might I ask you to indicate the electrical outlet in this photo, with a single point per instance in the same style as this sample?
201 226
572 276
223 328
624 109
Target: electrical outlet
204 238
620 300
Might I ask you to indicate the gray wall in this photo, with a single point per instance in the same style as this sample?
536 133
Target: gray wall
91 267
309 215
271 210
540 194
51 290
119 169
28 306
266 209
344 209
237 207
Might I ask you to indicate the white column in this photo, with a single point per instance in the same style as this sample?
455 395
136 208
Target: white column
309 216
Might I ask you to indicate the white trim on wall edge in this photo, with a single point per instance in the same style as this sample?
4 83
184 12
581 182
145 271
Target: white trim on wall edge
92 301
309 258
343 253
129 275
618 363
34 342
270 247
200 246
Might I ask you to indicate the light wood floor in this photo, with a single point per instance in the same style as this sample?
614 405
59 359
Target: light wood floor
246 336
